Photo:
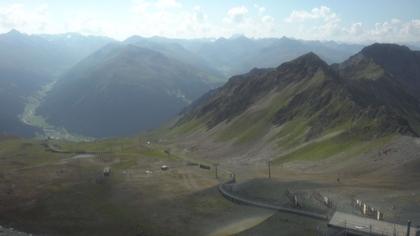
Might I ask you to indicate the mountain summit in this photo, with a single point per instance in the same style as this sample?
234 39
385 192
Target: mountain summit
309 59
399 61
392 61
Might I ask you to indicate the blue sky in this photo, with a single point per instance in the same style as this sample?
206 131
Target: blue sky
348 21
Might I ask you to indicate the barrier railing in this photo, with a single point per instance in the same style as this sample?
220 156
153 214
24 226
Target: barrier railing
231 196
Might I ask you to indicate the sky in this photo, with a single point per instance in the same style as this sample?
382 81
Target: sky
356 21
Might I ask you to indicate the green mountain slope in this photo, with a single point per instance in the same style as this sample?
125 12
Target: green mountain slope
308 105
123 89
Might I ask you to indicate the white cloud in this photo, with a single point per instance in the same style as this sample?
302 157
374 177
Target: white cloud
318 23
322 23
395 30
267 19
141 6
18 17
317 13
192 22
236 14
169 18
261 9
167 4
356 28
88 25
240 20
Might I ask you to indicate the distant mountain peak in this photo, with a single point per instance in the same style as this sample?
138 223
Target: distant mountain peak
307 60
399 62
238 36
310 57
385 46
134 39
378 50
14 33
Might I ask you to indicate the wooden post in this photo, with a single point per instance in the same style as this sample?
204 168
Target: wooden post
408 228
269 169
215 168
345 227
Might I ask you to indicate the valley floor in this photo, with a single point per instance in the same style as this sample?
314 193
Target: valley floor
30 117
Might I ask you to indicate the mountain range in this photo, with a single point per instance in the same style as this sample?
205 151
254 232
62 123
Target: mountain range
29 62
108 88
239 54
306 105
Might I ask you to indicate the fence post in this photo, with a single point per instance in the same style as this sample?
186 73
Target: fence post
364 208
345 227
395 231
408 228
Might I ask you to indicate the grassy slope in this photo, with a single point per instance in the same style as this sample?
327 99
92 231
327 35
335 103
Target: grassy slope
257 123
308 132
291 136
46 192
330 147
